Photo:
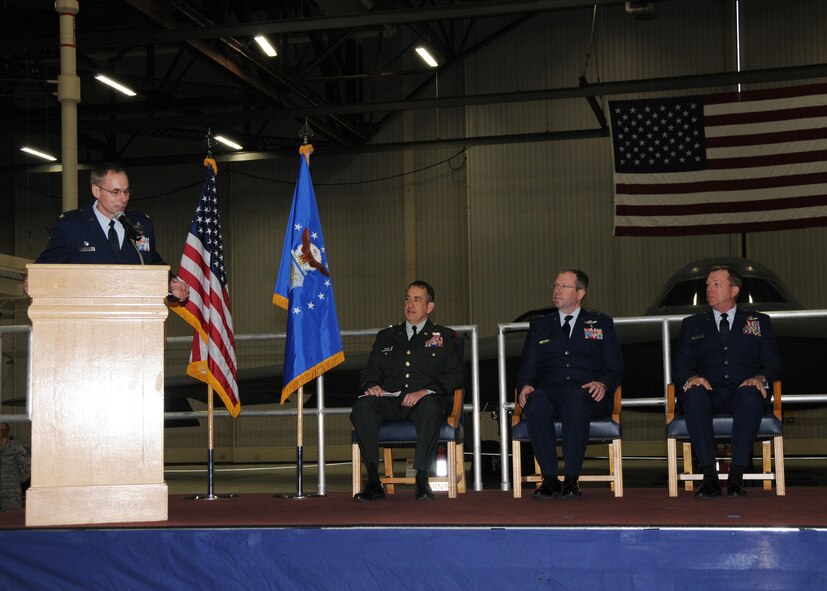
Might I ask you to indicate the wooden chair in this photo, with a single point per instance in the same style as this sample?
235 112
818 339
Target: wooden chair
770 434
602 430
394 434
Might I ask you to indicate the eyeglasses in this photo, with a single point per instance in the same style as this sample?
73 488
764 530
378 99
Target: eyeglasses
116 192
562 286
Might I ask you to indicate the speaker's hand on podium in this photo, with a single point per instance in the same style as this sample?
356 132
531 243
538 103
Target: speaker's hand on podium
179 289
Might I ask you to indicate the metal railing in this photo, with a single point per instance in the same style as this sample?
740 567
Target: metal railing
474 407
320 411
665 321
27 330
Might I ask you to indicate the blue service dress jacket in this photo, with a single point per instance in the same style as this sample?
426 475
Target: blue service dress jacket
430 360
592 353
751 350
77 238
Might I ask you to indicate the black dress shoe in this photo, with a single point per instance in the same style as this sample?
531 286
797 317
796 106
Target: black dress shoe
424 492
571 490
735 489
708 489
549 488
372 491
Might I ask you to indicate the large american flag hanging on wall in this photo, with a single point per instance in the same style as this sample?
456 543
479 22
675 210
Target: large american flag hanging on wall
725 163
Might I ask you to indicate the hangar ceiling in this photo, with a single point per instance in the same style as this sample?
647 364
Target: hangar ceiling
347 66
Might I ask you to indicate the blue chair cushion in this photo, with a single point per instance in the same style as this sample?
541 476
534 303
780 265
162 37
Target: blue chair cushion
604 429
722 427
403 433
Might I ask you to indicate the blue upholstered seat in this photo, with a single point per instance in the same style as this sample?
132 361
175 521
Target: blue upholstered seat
403 433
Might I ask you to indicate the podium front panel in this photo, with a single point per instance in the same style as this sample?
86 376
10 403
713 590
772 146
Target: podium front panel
97 394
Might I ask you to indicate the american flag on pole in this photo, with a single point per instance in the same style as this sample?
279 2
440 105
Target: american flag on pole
208 308
304 288
726 163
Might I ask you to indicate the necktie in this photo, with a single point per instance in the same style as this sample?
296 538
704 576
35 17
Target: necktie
113 237
567 326
724 327
413 332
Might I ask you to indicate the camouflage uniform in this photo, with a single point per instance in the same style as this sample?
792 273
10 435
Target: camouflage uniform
15 468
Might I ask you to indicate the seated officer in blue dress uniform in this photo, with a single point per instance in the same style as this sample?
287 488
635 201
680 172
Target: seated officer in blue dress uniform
92 235
412 372
571 365
726 359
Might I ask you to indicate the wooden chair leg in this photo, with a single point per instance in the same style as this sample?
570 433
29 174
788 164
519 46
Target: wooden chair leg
460 460
612 466
390 488
356 472
780 485
766 462
672 466
687 465
617 467
516 469
451 453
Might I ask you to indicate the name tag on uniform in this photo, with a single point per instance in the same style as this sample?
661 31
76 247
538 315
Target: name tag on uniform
544 341
595 334
86 249
387 349
696 337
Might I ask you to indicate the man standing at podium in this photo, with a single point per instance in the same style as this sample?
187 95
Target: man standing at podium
103 233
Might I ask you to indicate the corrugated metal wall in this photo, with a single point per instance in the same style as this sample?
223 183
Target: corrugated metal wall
538 207
492 225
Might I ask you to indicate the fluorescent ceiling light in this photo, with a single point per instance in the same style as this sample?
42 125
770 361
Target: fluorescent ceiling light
116 85
265 45
38 153
228 142
426 57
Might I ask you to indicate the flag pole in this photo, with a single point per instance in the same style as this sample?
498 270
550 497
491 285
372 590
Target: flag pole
285 286
211 496
299 442
299 494
208 311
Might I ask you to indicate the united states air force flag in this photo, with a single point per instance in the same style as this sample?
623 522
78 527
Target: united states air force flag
305 290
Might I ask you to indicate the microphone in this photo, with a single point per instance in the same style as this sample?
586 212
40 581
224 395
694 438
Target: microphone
133 232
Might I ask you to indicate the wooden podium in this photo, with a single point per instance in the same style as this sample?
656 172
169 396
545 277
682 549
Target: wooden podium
97 394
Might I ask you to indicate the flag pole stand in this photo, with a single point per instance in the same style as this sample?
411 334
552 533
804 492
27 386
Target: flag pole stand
299 494
210 496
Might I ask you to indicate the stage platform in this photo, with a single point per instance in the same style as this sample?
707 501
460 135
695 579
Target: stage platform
481 540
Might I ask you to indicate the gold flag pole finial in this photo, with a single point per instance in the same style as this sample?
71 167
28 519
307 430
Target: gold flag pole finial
209 138
305 133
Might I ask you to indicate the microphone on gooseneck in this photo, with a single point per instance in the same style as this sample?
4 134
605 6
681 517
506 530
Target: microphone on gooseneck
131 230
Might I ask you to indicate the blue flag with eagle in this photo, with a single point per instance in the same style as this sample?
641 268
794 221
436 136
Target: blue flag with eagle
305 290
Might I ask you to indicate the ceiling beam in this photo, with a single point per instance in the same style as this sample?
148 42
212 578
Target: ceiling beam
602 89
290 152
127 37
